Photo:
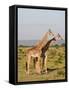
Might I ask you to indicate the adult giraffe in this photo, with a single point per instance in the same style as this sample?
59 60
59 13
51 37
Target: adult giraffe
36 52
44 51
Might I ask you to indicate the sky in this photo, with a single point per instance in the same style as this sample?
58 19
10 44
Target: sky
33 23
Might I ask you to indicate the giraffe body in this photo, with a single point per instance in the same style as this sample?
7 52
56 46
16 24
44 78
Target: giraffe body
36 52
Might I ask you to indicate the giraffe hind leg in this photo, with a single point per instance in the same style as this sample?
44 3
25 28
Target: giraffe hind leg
38 65
43 61
34 61
45 64
27 65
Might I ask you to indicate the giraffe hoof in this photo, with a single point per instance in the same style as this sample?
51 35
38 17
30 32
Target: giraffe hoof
38 72
27 73
46 71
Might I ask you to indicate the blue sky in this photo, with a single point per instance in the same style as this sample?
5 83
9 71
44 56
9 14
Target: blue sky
33 23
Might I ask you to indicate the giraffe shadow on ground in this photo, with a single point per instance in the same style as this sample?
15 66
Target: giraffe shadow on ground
49 70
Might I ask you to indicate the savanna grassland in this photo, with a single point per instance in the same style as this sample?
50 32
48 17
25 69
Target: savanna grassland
55 65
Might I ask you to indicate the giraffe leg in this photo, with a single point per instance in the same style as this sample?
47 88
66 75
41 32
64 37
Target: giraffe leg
45 64
28 64
34 61
37 65
34 64
43 58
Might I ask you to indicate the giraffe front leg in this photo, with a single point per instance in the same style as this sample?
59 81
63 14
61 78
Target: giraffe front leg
43 58
38 65
28 65
45 64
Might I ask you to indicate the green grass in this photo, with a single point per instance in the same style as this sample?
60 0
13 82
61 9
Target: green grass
55 65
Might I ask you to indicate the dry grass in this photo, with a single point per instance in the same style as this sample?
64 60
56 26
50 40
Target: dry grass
55 64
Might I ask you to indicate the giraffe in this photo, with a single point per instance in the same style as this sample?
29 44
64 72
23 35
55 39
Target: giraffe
44 51
35 52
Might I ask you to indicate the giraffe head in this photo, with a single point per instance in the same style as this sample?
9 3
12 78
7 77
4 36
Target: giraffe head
59 37
56 38
51 33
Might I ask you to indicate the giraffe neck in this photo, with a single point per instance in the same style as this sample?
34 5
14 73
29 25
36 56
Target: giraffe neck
47 45
43 41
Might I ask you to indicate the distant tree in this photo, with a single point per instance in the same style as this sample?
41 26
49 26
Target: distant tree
56 45
20 45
